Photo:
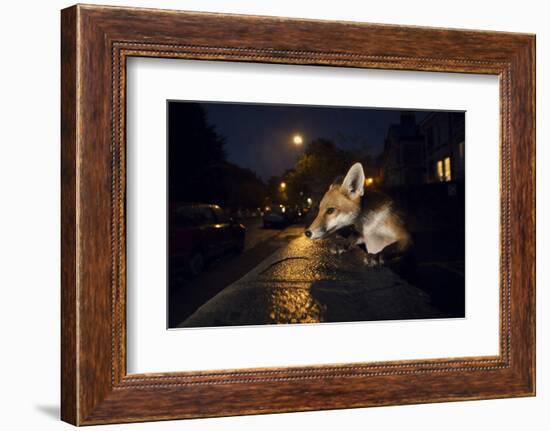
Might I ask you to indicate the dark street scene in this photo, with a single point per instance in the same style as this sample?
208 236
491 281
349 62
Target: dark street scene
293 214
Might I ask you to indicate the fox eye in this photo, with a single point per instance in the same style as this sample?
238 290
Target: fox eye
330 211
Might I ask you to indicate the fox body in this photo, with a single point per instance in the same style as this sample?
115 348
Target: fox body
369 215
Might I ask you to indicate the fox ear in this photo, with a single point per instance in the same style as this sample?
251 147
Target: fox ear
354 182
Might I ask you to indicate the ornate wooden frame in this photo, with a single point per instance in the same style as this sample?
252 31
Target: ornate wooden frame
95 43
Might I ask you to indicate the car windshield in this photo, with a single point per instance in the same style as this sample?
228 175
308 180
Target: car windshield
193 215
221 216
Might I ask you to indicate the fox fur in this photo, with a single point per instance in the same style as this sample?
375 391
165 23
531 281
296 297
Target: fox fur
369 215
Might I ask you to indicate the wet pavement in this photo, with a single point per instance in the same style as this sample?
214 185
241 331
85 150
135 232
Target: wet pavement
302 282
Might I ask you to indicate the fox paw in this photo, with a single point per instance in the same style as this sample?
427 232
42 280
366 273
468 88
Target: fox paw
373 260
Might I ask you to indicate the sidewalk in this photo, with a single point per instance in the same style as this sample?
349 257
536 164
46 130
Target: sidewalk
303 283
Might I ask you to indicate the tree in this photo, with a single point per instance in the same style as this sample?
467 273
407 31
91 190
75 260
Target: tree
195 154
242 187
198 169
320 165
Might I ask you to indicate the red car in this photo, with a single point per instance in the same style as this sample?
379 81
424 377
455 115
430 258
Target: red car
199 233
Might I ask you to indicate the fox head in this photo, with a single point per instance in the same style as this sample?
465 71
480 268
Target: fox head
340 205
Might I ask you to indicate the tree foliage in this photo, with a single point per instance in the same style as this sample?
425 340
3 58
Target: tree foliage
321 163
198 166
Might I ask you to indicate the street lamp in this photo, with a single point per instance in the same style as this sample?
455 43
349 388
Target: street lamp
298 140
283 185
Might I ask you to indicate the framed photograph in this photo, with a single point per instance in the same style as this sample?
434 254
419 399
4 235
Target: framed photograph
265 215
256 240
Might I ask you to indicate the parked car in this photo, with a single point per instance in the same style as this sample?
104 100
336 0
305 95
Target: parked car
278 216
199 233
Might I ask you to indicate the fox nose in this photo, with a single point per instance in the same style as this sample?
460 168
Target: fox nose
308 233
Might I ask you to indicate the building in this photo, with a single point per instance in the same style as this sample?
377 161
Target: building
403 159
443 146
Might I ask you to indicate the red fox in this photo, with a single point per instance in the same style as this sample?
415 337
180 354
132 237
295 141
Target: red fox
371 216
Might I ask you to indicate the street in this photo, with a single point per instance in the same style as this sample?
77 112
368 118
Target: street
283 277
255 233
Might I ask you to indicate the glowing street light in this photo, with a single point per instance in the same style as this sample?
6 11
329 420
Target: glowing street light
283 185
369 181
298 140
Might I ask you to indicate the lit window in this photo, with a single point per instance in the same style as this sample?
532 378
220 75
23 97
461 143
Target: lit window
439 168
447 169
443 168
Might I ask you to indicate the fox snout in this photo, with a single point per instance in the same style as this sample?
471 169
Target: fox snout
317 229
313 233
324 225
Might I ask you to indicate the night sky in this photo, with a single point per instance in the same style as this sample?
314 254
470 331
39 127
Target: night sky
259 136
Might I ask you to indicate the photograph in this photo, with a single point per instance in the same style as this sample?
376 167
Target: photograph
299 214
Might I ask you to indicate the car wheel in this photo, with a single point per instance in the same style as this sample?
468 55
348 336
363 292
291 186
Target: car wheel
196 263
240 247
